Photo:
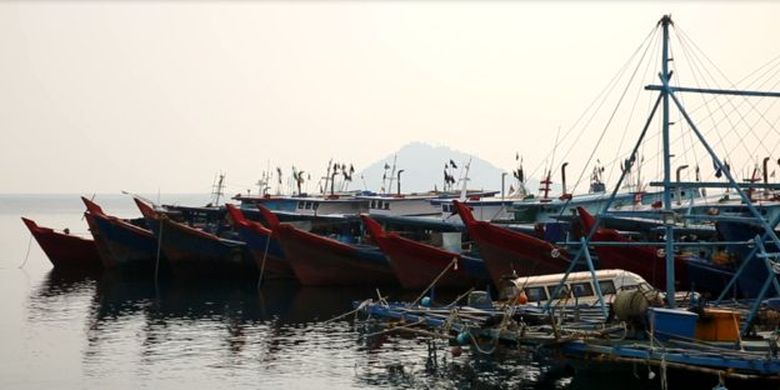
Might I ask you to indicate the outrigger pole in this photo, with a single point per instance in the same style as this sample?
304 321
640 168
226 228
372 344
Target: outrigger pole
667 91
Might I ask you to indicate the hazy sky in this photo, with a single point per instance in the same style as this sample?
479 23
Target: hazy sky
102 96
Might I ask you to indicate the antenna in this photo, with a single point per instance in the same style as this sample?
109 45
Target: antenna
218 187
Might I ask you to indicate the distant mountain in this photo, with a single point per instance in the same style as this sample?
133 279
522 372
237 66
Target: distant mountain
423 166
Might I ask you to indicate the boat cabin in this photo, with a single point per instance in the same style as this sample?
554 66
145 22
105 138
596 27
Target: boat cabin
579 287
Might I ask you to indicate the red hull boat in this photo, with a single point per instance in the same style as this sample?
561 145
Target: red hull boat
65 252
415 264
119 242
321 261
256 237
195 253
641 260
507 252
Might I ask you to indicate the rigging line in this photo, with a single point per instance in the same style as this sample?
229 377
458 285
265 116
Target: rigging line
653 60
776 68
744 79
607 88
631 114
727 79
555 148
721 141
745 98
587 124
677 81
720 106
766 111
606 127
695 69
694 72
680 120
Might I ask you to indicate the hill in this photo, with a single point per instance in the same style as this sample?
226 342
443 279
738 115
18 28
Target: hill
423 166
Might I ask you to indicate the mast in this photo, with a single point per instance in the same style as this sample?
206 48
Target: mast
217 188
666 20
392 176
465 180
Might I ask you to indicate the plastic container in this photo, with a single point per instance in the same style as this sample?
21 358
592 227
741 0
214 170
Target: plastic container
672 323
718 325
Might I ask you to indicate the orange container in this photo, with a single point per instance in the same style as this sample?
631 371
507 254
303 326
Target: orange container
718 325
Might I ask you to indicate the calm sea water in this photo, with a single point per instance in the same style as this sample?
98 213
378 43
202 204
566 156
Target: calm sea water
105 331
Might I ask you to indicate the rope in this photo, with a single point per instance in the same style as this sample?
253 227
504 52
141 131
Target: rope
360 307
606 127
603 93
159 247
497 335
27 255
262 264
393 329
664 384
435 280
745 98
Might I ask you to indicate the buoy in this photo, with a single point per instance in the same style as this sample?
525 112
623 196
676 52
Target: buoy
426 301
463 338
521 298
456 351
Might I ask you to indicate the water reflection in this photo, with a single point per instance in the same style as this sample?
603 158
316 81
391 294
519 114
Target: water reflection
231 333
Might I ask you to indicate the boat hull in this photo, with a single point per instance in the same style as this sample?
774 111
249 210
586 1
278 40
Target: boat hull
508 253
195 254
417 265
320 261
691 272
126 246
66 252
276 265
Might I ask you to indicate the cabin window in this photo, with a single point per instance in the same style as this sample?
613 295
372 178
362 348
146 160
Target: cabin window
386 205
315 206
445 208
582 289
607 287
373 204
300 205
308 206
536 294
564 291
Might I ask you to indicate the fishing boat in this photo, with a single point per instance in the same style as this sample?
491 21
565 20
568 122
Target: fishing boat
418 265
507 252
266 250
724 340
65 251
124 245
195 253
322 261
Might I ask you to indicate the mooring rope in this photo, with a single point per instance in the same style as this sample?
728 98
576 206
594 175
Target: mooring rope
159 247
265 256
27 255
436 279
360 307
